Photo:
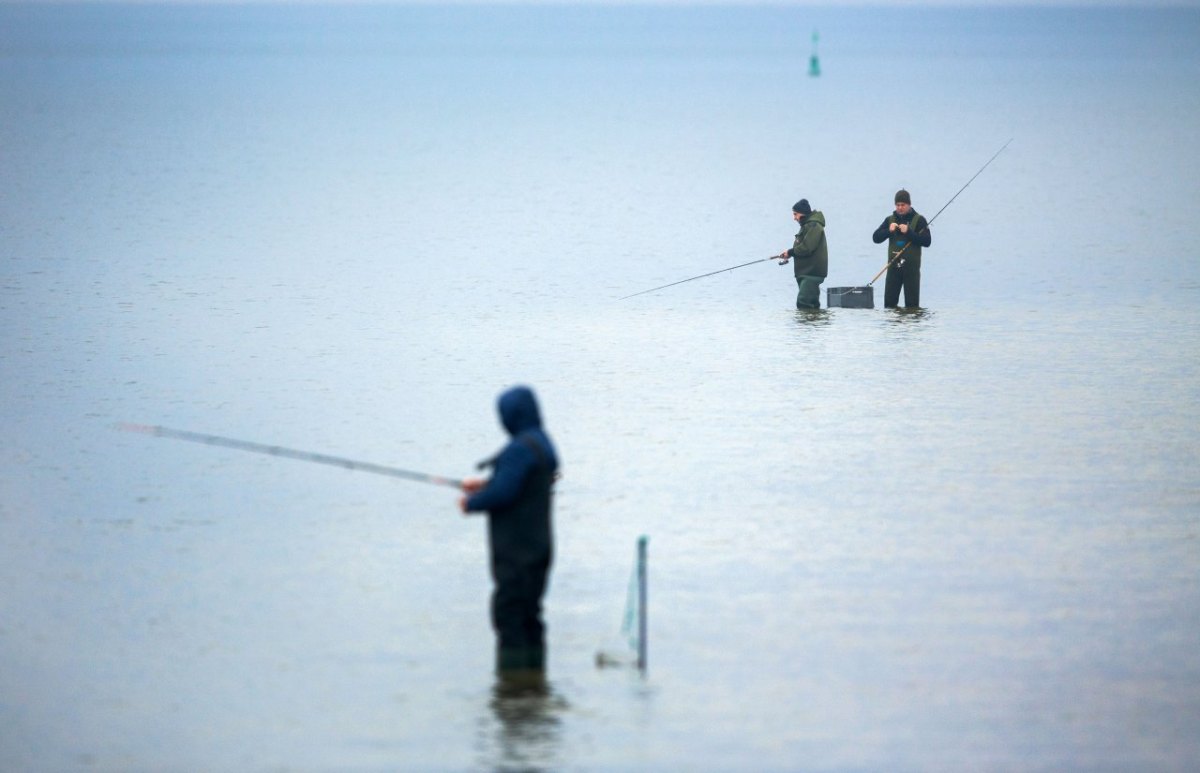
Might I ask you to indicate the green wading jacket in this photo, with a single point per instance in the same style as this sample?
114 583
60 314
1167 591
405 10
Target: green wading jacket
810 255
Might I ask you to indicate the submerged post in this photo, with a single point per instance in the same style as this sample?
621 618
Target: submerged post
634 630
641 574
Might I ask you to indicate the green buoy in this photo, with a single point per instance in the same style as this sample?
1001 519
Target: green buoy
814 63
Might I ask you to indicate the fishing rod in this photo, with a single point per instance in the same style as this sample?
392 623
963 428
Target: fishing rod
710 273
290 453
940 211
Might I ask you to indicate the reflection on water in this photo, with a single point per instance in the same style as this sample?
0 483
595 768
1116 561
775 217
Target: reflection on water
528 724
813 317
907 316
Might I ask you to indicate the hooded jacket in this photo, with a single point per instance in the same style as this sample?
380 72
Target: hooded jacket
517 498
810 255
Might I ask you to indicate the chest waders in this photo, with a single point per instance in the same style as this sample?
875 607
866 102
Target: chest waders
906 272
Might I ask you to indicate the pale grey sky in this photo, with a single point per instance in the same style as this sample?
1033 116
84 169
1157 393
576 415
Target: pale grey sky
819 3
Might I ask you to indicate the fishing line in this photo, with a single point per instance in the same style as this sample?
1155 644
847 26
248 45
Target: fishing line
290 453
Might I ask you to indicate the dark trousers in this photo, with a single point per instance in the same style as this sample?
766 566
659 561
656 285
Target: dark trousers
517 615
907 276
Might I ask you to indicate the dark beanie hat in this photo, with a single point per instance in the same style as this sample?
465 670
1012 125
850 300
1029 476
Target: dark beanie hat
802 207
902 196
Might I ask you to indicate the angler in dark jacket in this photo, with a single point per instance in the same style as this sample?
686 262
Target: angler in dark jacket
906 232
517 501
810 253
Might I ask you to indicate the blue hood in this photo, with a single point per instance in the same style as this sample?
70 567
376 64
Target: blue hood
519 410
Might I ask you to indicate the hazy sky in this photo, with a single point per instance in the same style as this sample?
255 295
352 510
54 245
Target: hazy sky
826 3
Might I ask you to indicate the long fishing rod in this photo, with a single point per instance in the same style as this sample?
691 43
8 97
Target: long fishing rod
290 453
689 279
940 211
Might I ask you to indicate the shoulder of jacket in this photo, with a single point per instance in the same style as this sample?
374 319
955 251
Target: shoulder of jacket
529 447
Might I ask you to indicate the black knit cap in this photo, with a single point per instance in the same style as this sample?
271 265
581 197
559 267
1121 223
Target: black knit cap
802 207
902 197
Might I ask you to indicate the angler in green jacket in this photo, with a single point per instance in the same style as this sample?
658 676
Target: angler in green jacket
810 253
906 232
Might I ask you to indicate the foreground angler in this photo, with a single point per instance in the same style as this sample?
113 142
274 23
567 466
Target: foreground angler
517 499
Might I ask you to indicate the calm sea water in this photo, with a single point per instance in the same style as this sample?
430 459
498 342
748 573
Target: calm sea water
959 538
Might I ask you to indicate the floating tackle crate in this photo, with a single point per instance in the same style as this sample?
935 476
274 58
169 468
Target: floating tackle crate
850 297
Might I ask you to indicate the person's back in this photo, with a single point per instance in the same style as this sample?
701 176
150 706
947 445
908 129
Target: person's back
519 521
812 250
